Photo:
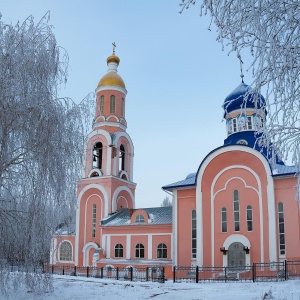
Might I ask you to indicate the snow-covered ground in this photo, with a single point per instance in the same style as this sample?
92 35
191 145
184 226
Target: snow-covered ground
70 288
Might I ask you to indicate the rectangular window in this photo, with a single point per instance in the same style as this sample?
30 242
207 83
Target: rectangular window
123 108
249 123
112 104
281 229
236 210
101 107
224 219
234 125
194 235
249 218
94 221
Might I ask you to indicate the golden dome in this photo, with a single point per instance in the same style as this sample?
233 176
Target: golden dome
111 78
113 58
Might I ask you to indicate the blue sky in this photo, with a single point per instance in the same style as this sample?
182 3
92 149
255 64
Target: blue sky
176 75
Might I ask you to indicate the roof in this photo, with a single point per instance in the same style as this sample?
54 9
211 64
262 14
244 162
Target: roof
243 97
157 216
190 180
111 78
66 229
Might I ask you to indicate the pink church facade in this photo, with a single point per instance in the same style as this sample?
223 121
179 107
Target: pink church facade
237 209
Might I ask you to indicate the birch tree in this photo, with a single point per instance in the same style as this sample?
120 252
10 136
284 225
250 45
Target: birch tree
41 141
269 31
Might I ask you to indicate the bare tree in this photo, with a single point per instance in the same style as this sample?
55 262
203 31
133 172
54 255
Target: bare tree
269 31
41 141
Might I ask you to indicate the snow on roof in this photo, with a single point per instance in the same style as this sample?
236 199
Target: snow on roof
66 229
158 215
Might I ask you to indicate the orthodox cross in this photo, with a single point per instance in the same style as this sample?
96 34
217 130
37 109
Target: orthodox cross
114 47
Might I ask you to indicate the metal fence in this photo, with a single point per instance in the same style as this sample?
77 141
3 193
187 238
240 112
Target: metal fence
271 271
127 273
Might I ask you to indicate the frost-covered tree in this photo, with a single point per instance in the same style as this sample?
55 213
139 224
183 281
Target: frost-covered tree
166 202
268 30
41 141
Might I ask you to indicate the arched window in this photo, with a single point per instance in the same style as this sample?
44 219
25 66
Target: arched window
119 250
224 219
162 251
281 229
123 107
194 235
65 251
112 104
97 155
249 218
94 221
139 219
122 158
101 106
236 210
139 251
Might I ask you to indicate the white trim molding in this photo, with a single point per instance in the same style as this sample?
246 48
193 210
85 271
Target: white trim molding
86 249
117 191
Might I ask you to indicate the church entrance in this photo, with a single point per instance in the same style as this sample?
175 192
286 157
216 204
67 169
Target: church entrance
236 256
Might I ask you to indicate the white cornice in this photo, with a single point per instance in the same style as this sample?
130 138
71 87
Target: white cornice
111 87
111 124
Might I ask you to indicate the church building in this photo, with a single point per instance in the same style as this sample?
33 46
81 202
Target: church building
240 206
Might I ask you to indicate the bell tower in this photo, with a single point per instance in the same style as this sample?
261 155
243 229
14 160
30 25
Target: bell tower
107 184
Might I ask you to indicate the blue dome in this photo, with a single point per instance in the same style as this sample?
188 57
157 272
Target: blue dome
243 97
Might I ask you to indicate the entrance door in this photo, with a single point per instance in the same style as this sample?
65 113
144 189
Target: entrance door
236 256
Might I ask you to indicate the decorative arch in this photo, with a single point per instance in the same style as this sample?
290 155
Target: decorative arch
129 150
123 175
86 252
237 238
79 198
270 199
93 171
90 144
123 199
259 193
115 195
85 213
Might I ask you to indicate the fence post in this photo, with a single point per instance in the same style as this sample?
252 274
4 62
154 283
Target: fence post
285 270
131 273
147 274
101 272
63 270
163 275
52 269
174 273
253 272
75 271
197 274
117 273
87 271
225 274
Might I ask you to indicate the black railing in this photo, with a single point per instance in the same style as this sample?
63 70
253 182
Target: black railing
129 273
